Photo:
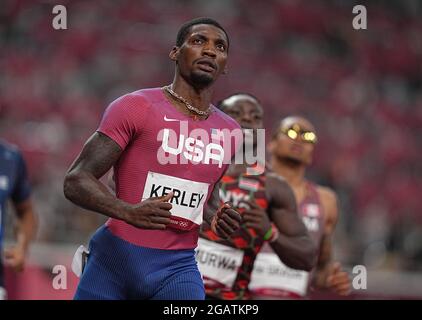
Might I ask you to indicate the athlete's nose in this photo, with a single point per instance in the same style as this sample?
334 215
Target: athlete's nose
209 50
246 118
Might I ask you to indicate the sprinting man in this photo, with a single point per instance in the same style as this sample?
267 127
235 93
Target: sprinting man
268 208
292 149
14 186
146 248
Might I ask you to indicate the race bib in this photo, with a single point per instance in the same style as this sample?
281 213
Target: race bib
270 273
217 262
188 199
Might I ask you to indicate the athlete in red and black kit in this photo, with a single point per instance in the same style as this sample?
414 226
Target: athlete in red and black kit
292 149
167 154
268 210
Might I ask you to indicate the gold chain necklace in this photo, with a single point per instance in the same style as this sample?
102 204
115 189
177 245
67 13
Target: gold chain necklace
187 104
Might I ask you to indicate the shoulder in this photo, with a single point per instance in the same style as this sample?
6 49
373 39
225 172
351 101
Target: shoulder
9 150
228 121
326 194
143 97
275 180
131 108
277 188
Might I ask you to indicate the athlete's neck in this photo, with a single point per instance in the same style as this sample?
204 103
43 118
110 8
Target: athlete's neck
199 98
293 172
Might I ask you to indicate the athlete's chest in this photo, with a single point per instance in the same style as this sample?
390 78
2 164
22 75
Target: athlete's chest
310 209
172 143
312 216
241 191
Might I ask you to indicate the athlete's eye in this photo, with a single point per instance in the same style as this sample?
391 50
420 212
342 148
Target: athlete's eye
197 41
221 47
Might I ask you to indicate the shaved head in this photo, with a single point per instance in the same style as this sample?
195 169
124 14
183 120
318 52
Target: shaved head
232 100
301 121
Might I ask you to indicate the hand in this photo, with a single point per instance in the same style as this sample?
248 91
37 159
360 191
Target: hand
256 218
152 213
337 280
226 221
14 258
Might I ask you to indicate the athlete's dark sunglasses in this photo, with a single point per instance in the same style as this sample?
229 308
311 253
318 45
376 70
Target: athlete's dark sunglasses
295 131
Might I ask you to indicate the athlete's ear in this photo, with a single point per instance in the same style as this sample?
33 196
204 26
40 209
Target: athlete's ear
225 70
174 53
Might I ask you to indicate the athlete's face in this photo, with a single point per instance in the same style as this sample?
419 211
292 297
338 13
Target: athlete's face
295 140
246 111
202 56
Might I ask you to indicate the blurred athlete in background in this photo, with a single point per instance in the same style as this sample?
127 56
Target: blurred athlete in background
14 186
268 208
292 149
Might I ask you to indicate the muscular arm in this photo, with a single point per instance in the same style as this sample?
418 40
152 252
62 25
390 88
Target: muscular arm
329 202
212 205
82 185
26 225
294 245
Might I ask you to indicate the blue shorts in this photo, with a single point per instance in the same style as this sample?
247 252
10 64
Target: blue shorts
117 269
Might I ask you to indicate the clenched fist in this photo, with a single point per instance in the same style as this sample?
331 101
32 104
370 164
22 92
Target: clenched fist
338 280
226 221
152 213
256 217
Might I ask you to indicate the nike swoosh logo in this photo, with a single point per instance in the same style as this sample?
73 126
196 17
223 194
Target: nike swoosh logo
169 120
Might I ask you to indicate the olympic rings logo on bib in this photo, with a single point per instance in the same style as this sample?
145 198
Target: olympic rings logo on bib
188 198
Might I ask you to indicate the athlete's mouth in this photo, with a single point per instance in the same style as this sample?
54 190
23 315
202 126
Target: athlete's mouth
207 64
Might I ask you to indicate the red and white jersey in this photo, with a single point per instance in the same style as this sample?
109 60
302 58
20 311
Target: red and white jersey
163 151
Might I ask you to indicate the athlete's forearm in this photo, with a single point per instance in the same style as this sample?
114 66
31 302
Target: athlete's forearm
323 263
26 225
213 203
210 210
296 252
83 189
